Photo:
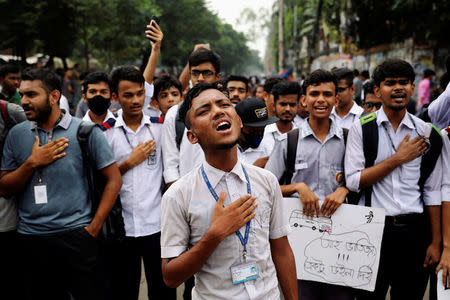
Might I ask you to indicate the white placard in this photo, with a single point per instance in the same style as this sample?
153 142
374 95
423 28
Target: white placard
443 293
342 250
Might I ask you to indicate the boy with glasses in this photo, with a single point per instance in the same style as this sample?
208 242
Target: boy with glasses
346 110
371 102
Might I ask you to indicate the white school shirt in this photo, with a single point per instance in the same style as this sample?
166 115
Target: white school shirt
186 212
108 116
346 122
318 164
250 155
398 193
177 163
272 135
298 121
439 109
141 189
445 191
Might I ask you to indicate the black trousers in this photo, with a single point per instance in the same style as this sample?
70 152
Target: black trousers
403 250
61 265
11 274
147 248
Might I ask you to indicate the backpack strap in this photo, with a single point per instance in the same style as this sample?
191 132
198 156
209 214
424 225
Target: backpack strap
430 158
292 141
9 123
83 134
370 147
179 129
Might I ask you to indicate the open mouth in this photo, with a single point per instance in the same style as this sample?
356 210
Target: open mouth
223 125
321 108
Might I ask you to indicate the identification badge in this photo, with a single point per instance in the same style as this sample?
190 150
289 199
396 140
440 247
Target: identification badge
302 165
244 272
152 159
40 194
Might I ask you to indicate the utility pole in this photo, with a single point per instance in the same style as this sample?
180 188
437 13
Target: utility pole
315 34
295 43
280 36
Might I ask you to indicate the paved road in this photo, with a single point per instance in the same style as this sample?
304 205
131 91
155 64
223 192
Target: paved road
143 290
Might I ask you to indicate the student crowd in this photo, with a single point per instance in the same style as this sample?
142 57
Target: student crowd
198 167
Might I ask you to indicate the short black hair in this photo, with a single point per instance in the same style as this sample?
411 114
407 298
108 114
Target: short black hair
95 77
286 88
270 82
238 78
165 82
128 73
7 69
428 73
368 88
344 74
365 74
50 80
187 103
356 72
203 55
394 68
320 76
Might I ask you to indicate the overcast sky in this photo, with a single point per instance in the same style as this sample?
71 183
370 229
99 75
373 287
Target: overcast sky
229 11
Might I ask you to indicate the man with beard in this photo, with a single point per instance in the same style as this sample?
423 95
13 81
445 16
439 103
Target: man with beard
346 110
251 145
43 167
97 95
393 181
136 143
210 235
237 87
286 95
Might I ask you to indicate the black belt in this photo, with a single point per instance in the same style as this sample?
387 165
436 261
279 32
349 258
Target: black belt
401 220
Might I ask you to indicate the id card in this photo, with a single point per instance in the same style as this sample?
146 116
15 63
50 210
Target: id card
244 272
152 159
40 194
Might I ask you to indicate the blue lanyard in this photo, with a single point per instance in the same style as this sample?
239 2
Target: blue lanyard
244 239
126 135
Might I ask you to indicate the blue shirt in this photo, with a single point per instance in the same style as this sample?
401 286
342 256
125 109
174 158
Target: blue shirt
68 205
318 164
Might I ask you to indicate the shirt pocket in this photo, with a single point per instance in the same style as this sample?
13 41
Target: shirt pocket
336 176
410 171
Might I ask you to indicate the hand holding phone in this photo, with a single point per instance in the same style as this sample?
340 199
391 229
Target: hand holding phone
153 32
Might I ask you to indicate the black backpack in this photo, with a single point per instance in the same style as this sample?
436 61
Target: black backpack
113 228
370 148
292 141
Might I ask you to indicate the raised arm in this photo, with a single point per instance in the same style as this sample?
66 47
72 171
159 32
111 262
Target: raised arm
153 32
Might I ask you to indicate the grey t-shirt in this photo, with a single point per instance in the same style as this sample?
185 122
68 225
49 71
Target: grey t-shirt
8 210
67 206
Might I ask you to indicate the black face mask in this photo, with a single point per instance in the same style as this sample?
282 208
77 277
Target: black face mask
253 141
98 104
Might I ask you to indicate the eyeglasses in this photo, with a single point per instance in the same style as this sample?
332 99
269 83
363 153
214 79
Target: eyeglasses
205 73
342 89
371 105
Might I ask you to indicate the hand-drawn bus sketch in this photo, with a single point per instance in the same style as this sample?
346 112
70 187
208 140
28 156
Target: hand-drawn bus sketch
298 219
342 250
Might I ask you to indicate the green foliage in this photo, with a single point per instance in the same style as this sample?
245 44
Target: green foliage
112 31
